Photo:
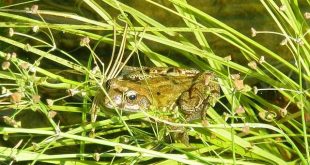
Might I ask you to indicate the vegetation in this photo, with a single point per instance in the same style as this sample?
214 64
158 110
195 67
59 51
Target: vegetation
47 91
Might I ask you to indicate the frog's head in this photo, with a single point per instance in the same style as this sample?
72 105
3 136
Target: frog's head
124 97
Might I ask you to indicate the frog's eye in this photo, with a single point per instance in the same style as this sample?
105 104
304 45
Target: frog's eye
131 95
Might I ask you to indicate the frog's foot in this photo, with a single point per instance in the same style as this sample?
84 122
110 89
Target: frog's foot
179 134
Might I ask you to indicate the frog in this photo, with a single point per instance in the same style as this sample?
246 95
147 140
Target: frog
191 91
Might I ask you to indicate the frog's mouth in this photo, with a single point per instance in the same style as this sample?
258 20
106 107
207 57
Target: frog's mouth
131 108
127 105
124 107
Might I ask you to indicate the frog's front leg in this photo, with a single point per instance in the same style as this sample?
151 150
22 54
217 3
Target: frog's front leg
203 93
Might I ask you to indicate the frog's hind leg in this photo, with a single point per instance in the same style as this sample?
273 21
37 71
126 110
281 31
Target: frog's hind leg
191 102
200 96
